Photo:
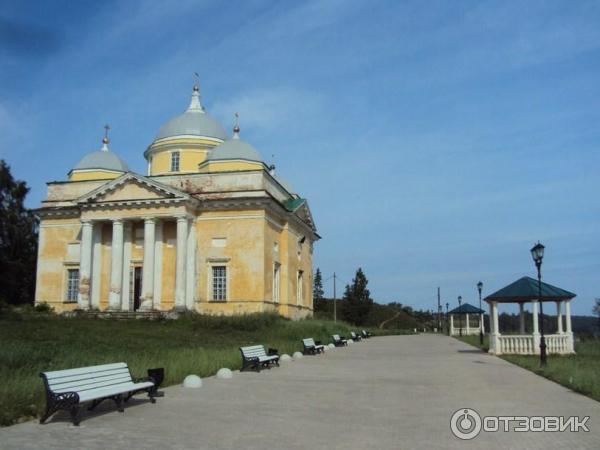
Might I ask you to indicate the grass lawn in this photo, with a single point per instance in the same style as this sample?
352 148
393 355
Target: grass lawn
580 372
194 344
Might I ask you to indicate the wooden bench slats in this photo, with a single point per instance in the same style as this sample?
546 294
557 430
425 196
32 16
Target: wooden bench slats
75 380
87 386
84 370
95 394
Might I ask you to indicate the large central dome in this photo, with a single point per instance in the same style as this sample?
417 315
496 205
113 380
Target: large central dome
193 122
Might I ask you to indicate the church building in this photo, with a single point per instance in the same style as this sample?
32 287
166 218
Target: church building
210 228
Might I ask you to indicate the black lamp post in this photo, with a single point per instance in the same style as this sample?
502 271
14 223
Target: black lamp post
460 316
447 319
479 288
537 253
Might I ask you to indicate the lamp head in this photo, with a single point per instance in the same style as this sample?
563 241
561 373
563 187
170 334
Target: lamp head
537 253
479 286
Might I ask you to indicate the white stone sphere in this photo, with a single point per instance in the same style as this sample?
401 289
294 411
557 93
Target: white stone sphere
350 342
331 346
297 355
224 374
192 381
326 348
285 358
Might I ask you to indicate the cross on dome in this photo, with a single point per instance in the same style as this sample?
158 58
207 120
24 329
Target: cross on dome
236 126
105 139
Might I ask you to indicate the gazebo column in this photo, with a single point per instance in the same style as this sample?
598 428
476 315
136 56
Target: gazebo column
521 318
481 323
451 324
494 329
467 322
536 331
85 264
559 324
569 331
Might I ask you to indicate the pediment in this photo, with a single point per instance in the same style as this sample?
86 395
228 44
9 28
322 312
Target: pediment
132 188
304 213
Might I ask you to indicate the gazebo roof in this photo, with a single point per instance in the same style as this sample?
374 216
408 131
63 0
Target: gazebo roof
466 308
526 289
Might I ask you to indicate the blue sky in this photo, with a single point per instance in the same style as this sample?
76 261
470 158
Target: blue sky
435 141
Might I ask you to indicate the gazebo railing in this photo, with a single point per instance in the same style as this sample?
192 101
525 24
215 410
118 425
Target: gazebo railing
471 331
516 344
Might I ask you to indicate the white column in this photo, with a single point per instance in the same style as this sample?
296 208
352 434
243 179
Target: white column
536 329
569 331
521 318
85 265
158 254
116 267
148 267
495 334
190 288
481 323
495 313
96 265
126 294
467 324
180 270
451 324
559 318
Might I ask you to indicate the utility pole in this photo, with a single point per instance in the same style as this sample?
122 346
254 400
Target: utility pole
439 310
334 298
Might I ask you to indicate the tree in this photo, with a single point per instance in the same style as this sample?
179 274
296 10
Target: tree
318 292
357 300
596 309
18 241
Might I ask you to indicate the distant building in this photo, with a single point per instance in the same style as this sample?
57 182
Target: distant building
210 228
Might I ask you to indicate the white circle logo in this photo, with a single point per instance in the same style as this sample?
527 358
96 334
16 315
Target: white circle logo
465 423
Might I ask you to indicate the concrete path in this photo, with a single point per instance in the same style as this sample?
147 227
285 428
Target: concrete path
385 393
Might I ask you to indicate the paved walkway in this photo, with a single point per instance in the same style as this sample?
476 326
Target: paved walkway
385 393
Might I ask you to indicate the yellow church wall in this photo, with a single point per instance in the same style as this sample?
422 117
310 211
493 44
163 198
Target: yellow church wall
230 166
53 261
169 252
189 159
239 246
80 175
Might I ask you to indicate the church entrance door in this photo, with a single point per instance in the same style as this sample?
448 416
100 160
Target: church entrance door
137 287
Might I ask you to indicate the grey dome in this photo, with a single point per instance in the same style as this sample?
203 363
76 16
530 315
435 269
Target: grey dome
234 148
102 159
194 121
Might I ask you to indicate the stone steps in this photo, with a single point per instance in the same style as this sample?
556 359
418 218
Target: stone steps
123 315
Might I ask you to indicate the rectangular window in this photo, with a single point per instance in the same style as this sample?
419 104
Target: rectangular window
276 278
299 288
219 283
72 284
175 162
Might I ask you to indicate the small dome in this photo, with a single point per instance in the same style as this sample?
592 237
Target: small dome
235 148
102 159
194 121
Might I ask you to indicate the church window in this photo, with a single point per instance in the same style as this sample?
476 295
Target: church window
175 162
300 287
72 284
219 283
276 280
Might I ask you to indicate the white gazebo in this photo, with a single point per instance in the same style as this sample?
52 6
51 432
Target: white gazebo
464 328
525 290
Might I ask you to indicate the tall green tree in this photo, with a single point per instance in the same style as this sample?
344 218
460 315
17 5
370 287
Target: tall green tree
18 241
596 309
318 292
357 299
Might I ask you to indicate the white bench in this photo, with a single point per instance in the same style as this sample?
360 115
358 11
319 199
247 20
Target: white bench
311 347
366 334
68 389
256 357
339 341
355 337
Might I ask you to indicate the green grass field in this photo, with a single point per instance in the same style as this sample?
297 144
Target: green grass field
194 344
580 372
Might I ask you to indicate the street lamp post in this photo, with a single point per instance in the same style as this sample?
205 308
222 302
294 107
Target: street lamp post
460 316
447 318
537 253
479 288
